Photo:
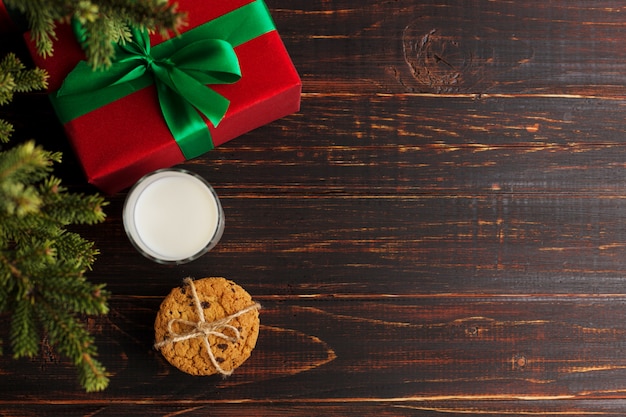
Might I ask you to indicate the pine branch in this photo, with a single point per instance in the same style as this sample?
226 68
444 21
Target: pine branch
75 342
6 130
91 374
42 277
7 87
71 208
42 265
66 288
41 15
24 334
105 22
22 79
4 292
19 167
30 80
14 77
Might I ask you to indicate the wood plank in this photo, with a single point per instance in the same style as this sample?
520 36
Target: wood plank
436 350
421 145
302 408
282 408
439 230
477 47
535 47
347 145
510 195
486 243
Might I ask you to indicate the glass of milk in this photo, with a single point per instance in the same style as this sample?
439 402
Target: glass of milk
173 216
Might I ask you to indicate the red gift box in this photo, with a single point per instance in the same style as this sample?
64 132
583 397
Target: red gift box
123 140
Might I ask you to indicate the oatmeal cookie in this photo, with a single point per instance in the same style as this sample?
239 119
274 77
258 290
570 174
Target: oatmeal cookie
207 326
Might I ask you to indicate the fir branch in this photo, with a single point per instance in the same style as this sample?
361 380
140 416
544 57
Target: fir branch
91 374
48 274
18 78
5 276
105 22
20 228
27 163
19 166
42 265
75 342
71 208
10 64
148 14
7 87
31 257
71 247
6 130
41 15
86 11
19 199
67 288
14 77
24 334
99 44
31 80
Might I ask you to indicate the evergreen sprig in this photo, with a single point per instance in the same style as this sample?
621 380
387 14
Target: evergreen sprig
43 265
43 288
16 78
105 22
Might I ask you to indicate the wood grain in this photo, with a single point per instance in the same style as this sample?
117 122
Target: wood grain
438 353
476 46
439 231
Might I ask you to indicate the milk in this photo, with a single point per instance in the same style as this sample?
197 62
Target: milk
173 216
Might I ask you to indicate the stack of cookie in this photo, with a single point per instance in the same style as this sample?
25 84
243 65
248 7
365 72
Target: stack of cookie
207 326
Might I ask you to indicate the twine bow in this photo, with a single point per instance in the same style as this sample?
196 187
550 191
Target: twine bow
203 329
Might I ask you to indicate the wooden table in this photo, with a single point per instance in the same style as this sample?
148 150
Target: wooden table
441 230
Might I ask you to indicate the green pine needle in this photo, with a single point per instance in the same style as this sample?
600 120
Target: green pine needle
7 87
6 130
24 335
105 22
91 374
74 341
43 287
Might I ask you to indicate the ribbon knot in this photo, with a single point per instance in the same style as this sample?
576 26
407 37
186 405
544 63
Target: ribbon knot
150 61
139 49
203 329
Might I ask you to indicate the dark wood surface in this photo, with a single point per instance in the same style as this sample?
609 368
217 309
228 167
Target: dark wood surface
441 230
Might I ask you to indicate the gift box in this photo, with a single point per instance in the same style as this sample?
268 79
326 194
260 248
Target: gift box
127 121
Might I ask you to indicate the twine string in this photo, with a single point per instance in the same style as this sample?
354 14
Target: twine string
203 329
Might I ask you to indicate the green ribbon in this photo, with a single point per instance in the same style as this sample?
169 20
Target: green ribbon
181 69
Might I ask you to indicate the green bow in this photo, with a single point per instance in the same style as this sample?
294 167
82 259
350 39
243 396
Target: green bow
180 68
